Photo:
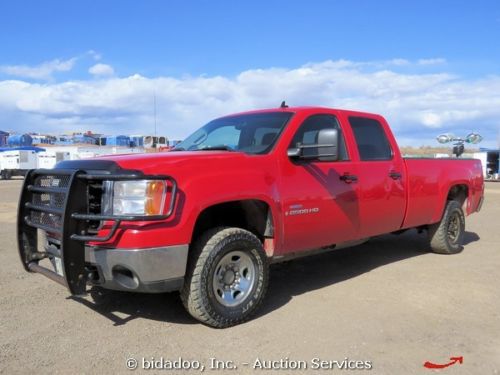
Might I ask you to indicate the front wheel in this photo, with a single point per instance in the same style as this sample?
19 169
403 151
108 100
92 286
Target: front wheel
227 277
447 236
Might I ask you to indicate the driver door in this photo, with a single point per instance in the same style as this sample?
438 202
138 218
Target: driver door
320 207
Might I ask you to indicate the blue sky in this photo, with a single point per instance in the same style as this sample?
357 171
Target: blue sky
429 66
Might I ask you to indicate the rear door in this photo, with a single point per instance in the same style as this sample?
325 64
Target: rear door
320 208
381 179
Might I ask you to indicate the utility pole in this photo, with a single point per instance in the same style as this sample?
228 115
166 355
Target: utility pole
155 138
154 99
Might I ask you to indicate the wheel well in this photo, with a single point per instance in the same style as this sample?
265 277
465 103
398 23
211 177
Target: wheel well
458 193
252 215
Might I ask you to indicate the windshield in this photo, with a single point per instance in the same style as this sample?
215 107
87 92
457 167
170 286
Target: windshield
252 134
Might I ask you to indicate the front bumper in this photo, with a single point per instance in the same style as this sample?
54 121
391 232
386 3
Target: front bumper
63 205
153 270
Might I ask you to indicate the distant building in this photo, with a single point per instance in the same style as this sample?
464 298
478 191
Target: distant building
118 140
39 139
18 140
136 141
3 138
101 141
63 140
84 138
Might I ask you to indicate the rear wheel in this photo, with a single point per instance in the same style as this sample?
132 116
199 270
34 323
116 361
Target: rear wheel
447 236
227 277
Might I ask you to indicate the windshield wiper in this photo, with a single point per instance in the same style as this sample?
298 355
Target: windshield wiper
216 148
178 149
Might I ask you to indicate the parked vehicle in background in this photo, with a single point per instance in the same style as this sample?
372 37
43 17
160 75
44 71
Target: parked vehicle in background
17 163
150 141
48 159
246 190
490 160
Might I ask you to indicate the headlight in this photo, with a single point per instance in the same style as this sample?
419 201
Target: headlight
137 197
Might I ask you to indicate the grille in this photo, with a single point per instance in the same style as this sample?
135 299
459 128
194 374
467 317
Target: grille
54 197
49 220
48 197
94 198
60 181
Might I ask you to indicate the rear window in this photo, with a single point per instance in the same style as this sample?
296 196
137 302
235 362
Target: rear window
371 139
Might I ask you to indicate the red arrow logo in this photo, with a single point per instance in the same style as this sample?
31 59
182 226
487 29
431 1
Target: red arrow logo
453 361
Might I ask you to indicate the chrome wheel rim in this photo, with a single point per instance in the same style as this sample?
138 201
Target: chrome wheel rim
454 227
234 278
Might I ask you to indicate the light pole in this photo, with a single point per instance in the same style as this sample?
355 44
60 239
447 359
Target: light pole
458 146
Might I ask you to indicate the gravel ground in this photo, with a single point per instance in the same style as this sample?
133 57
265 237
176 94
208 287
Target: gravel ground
389 302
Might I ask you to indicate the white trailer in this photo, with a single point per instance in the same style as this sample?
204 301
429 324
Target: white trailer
483 156
17 163
490 161
85 152
48 159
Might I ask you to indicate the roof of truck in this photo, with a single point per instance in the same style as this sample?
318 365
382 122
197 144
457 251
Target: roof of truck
302 109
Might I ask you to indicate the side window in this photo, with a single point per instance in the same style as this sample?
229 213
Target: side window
308 132
371 139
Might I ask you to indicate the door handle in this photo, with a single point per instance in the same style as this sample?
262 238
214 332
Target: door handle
348 178
395 175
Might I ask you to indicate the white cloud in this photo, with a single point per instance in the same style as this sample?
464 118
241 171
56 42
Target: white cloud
436 61
95 55
418 106
101 70
399 62
43 71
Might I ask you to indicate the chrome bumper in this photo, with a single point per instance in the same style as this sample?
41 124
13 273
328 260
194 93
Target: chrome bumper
151 270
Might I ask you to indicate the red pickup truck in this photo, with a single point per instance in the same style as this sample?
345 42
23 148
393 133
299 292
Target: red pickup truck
208 217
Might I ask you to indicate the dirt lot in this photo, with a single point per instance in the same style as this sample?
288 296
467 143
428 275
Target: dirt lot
388 301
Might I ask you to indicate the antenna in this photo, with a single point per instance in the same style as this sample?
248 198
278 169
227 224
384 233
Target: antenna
283 105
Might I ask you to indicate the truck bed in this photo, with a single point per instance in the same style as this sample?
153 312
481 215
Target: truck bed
429 180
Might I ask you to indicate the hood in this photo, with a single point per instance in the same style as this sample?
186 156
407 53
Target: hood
164 162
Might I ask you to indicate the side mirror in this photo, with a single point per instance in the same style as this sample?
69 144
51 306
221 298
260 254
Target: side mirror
326 148
328 144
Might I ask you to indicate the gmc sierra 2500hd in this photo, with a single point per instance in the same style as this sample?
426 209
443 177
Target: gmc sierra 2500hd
246 190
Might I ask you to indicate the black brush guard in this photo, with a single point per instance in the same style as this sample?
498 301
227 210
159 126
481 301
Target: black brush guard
56 201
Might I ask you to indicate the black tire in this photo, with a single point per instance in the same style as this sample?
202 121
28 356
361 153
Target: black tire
204 267
446 237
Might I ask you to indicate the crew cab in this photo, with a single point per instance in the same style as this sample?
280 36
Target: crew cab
208 217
